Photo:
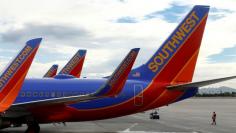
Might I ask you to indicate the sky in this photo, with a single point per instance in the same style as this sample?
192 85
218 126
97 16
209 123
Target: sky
108 29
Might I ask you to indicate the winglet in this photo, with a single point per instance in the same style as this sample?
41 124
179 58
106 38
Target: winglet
51 72
13 76
116 81
75 65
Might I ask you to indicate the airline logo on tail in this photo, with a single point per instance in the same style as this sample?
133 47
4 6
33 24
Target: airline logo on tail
116 81
14 67
51 72
74 66
123 67
177 38
13 76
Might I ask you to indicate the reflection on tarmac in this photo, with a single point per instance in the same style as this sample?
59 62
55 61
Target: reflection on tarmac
190 116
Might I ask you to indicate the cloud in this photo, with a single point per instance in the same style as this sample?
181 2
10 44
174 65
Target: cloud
50 31
109 29
171 14
126 20
227 55
206 71
217 13
174 13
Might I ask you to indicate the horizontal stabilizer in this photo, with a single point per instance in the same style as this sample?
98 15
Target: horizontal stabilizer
12 78
198 84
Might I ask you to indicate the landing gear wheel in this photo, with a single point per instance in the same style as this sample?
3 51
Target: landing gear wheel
33 128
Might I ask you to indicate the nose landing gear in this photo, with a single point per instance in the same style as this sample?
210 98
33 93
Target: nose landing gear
33 125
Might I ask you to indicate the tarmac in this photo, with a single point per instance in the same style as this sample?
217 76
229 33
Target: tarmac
188 116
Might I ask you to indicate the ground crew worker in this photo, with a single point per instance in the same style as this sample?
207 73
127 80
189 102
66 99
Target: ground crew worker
213 118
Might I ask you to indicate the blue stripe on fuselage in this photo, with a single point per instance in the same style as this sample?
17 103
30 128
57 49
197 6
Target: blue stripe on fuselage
41 89
126 94
188 93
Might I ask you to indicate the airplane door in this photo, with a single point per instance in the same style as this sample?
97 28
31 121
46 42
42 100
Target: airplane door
138 94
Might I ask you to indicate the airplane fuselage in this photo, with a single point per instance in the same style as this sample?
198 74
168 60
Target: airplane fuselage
136 96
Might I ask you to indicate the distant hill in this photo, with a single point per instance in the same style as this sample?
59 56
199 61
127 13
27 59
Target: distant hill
216 90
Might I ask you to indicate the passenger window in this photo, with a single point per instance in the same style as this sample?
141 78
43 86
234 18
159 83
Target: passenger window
35 94
23 94
41 94
122 95
28 94
69 93
58 94
53 94
47 94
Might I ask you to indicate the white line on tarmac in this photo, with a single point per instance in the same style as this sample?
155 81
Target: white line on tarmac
132 126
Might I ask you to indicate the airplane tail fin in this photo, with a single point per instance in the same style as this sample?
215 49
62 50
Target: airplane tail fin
75 65
13 76
51 72
117 80
174 62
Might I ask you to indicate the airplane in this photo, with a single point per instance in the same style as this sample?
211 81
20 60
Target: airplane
51 72
164 79
111 88
73 67
13 76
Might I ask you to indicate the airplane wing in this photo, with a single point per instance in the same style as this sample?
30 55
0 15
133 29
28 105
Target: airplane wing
75 65
51 72
111 88
186 86
60 100
13 76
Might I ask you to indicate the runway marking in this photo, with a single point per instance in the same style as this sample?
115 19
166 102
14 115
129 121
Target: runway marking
154 132
132 126
143 117
135 124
